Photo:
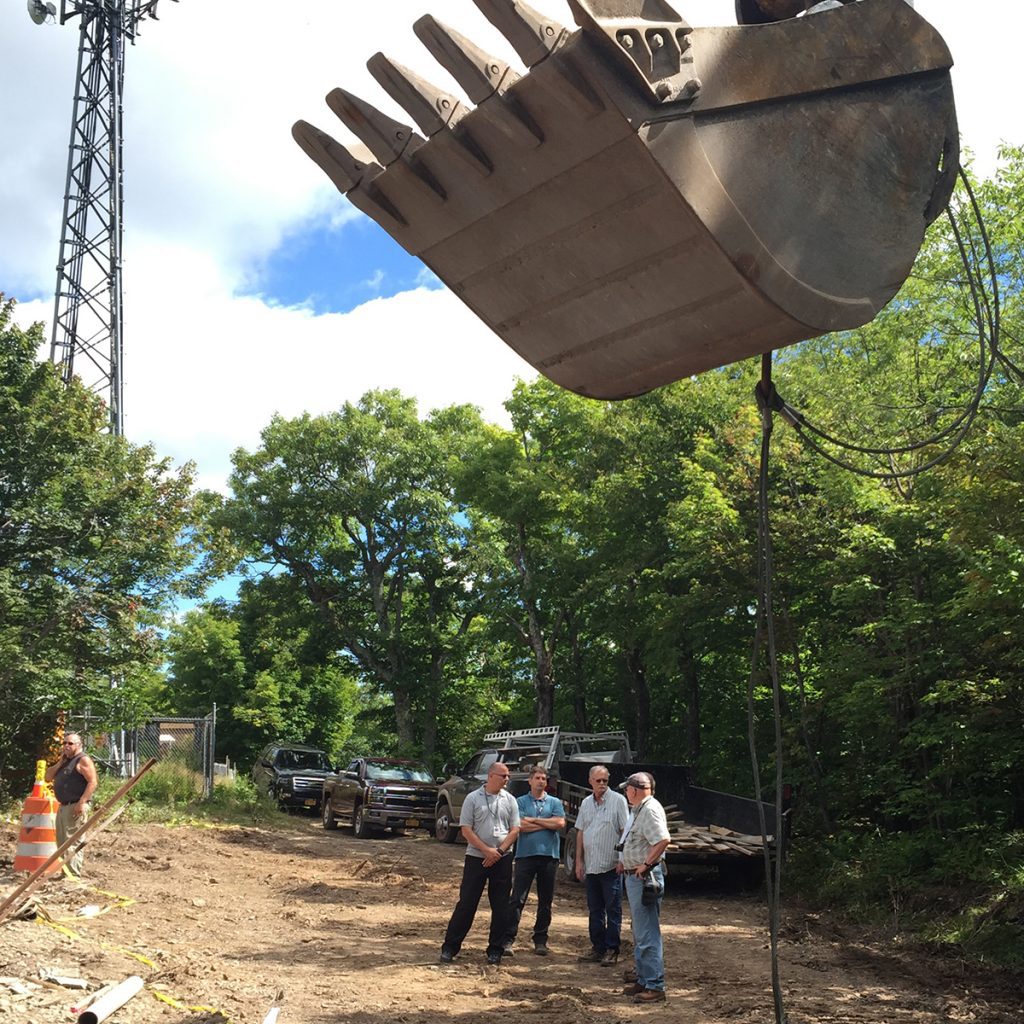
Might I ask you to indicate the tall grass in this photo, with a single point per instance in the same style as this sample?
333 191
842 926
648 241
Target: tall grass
172 793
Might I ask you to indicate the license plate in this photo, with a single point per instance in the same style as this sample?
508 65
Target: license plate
310 803
412 822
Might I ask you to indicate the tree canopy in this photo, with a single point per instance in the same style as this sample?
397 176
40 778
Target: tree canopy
94 540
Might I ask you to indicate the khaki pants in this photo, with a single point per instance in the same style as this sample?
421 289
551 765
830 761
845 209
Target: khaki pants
67 826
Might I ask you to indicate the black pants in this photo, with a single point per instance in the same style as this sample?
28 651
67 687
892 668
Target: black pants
498 879
543 869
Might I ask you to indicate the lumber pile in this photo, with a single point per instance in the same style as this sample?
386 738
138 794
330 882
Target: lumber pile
710 839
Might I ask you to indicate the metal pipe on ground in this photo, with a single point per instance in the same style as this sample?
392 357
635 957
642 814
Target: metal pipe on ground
113 1000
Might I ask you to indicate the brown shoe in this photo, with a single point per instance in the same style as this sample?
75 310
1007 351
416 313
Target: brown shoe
633 990
650 995
609 957
629 974
592 956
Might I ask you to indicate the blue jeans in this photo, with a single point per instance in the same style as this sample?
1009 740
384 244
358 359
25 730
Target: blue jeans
648 952
604 900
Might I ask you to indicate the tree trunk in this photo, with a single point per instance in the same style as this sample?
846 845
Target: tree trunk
642 700
403 720
691 698
579 691
544 684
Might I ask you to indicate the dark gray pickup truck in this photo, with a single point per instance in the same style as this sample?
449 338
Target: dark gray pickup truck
380 792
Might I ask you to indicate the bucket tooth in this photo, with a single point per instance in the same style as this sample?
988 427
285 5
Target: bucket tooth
352 172
385 137
343 167
431 108
478 73
530 34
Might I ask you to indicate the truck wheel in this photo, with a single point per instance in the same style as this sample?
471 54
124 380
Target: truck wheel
569 855
444 830
361 828
329 820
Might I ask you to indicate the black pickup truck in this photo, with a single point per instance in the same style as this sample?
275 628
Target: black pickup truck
291 774
380 792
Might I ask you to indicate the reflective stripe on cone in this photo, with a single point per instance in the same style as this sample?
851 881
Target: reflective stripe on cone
37 841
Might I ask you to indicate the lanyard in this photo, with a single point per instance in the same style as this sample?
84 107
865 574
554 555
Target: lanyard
632 821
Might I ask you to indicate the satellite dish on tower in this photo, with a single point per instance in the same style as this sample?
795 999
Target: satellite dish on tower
39 11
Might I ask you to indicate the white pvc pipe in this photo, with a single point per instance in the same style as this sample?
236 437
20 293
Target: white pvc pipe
91 998
113 1000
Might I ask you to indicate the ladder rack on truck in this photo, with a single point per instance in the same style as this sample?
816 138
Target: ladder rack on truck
555 745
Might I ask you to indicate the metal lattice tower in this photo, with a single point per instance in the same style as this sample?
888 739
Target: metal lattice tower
88 326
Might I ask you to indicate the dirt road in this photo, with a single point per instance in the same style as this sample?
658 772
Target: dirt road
332 928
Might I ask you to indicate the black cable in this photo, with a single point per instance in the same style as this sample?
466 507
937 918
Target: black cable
987 320
765 627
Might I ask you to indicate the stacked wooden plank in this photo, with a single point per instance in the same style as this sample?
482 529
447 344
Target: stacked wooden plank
710 839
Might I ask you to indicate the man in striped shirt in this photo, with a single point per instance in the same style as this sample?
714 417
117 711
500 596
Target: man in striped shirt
601 819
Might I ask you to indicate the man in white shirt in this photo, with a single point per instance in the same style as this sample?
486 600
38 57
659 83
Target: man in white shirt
601 819
644 841
490 824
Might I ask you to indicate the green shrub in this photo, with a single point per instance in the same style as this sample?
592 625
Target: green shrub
171 793
963 892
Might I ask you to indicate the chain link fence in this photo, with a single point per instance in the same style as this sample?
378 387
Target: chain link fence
187 742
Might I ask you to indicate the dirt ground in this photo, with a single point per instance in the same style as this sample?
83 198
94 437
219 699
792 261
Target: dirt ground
228 922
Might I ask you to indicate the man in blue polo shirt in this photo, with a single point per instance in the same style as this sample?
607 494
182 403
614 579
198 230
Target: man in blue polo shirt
541 818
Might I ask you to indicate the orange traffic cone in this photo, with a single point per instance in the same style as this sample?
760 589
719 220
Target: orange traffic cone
38 839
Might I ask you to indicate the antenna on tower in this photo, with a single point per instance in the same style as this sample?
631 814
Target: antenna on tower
88 328
40 12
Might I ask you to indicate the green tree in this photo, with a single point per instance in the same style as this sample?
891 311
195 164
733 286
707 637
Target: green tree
357 508
94 540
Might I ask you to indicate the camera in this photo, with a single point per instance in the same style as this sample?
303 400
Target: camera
619 847
651 891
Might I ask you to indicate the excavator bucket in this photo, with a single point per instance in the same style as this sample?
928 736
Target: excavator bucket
652 200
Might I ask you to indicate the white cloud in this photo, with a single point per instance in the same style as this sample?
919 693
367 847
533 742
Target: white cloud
214 182
374 281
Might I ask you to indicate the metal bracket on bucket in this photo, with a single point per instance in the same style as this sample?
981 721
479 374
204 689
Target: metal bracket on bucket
655 51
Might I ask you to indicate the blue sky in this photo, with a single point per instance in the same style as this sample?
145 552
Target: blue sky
251 286
334 271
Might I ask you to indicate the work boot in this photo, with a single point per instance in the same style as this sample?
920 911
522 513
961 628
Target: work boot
650 995
609 957
592 956
633 990
629 974
541 949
